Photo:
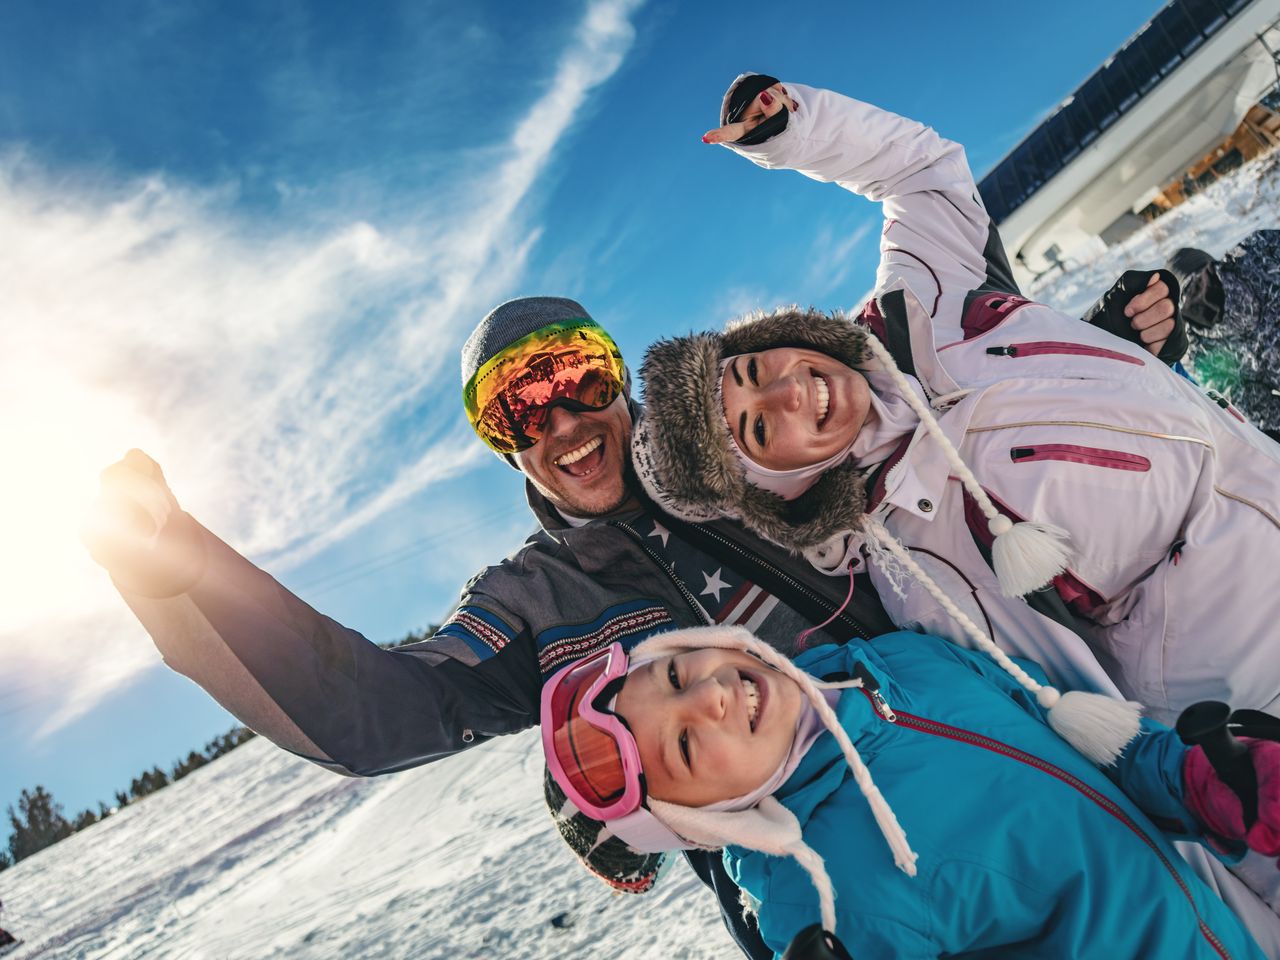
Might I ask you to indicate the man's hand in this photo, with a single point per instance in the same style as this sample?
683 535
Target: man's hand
766 104
1142 308
134 528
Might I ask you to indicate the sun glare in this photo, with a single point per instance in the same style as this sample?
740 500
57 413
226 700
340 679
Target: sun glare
57 436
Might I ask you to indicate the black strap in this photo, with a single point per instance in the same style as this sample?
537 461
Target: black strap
814 943
1254 723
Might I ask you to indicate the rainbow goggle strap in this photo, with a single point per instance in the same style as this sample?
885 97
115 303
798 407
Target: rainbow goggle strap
571 362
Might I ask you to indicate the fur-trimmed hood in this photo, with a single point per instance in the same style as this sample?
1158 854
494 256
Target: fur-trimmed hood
683 452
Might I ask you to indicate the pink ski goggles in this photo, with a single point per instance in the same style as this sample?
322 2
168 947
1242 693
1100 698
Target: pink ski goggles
590 751
593 755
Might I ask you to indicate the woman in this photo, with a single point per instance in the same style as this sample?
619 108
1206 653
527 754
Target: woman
1163 588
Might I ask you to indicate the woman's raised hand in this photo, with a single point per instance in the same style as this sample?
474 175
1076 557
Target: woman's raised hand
766 104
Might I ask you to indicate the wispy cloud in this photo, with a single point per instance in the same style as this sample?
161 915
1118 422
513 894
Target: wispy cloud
832 256
283 375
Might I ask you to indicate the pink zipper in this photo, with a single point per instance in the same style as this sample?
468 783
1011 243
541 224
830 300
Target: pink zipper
1042 347
934 728
1072 453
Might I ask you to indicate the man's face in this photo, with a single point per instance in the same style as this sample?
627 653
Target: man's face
710 724
579 464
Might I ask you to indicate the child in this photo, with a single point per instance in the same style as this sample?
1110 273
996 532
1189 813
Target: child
1013 842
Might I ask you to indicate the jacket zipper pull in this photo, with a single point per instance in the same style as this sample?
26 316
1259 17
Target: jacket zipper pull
1002 351
872 686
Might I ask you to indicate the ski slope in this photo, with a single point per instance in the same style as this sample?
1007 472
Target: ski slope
259 854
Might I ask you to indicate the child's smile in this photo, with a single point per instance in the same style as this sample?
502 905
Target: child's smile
710 724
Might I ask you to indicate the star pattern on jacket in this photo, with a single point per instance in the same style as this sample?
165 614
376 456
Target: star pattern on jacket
725 595
714 584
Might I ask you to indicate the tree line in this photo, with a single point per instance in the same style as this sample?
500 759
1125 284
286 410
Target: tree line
39 821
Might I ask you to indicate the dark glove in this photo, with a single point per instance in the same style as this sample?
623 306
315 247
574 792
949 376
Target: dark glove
1216 805
1108 312
814 943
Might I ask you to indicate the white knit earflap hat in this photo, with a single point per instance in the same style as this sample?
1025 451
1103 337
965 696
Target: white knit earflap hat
769 826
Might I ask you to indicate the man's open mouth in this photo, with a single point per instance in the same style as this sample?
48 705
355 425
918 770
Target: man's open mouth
584 460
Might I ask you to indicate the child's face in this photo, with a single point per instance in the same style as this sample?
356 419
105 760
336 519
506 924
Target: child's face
790 407
710 724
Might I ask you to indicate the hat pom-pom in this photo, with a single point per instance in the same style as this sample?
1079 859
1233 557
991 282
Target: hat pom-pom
1026 556
1099 727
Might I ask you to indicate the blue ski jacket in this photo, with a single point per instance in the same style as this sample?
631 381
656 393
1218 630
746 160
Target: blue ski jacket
1026 849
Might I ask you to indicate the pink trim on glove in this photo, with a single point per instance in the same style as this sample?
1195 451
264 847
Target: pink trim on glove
1217 806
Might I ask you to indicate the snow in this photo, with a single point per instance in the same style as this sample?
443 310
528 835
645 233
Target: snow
1214 220
260 854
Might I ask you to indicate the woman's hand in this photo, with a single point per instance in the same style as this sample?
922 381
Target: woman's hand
766 104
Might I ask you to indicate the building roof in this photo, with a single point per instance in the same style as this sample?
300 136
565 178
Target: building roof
1115 88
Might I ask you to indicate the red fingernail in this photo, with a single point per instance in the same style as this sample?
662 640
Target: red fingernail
766 99
706 138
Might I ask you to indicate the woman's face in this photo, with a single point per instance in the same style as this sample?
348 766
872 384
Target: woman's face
710 724
790 407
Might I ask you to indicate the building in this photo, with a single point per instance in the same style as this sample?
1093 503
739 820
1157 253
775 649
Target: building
1181 101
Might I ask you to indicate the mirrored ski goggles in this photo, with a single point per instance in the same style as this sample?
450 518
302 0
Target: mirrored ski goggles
572 363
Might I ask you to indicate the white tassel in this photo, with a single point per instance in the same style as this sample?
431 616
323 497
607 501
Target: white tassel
1026 556
1099 727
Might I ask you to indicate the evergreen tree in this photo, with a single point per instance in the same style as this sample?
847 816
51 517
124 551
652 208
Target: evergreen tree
38 824
194 761
5 862
86 818
122 799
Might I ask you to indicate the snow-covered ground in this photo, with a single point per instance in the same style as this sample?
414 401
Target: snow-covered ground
262 855
259 854
1215 221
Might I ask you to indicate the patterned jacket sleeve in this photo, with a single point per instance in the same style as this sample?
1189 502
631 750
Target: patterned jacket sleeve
326 693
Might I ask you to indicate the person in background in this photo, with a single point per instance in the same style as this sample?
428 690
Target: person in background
1232 311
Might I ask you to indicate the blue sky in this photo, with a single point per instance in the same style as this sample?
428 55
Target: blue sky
250 239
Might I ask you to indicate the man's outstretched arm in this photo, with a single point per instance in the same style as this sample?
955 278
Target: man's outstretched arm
299 678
